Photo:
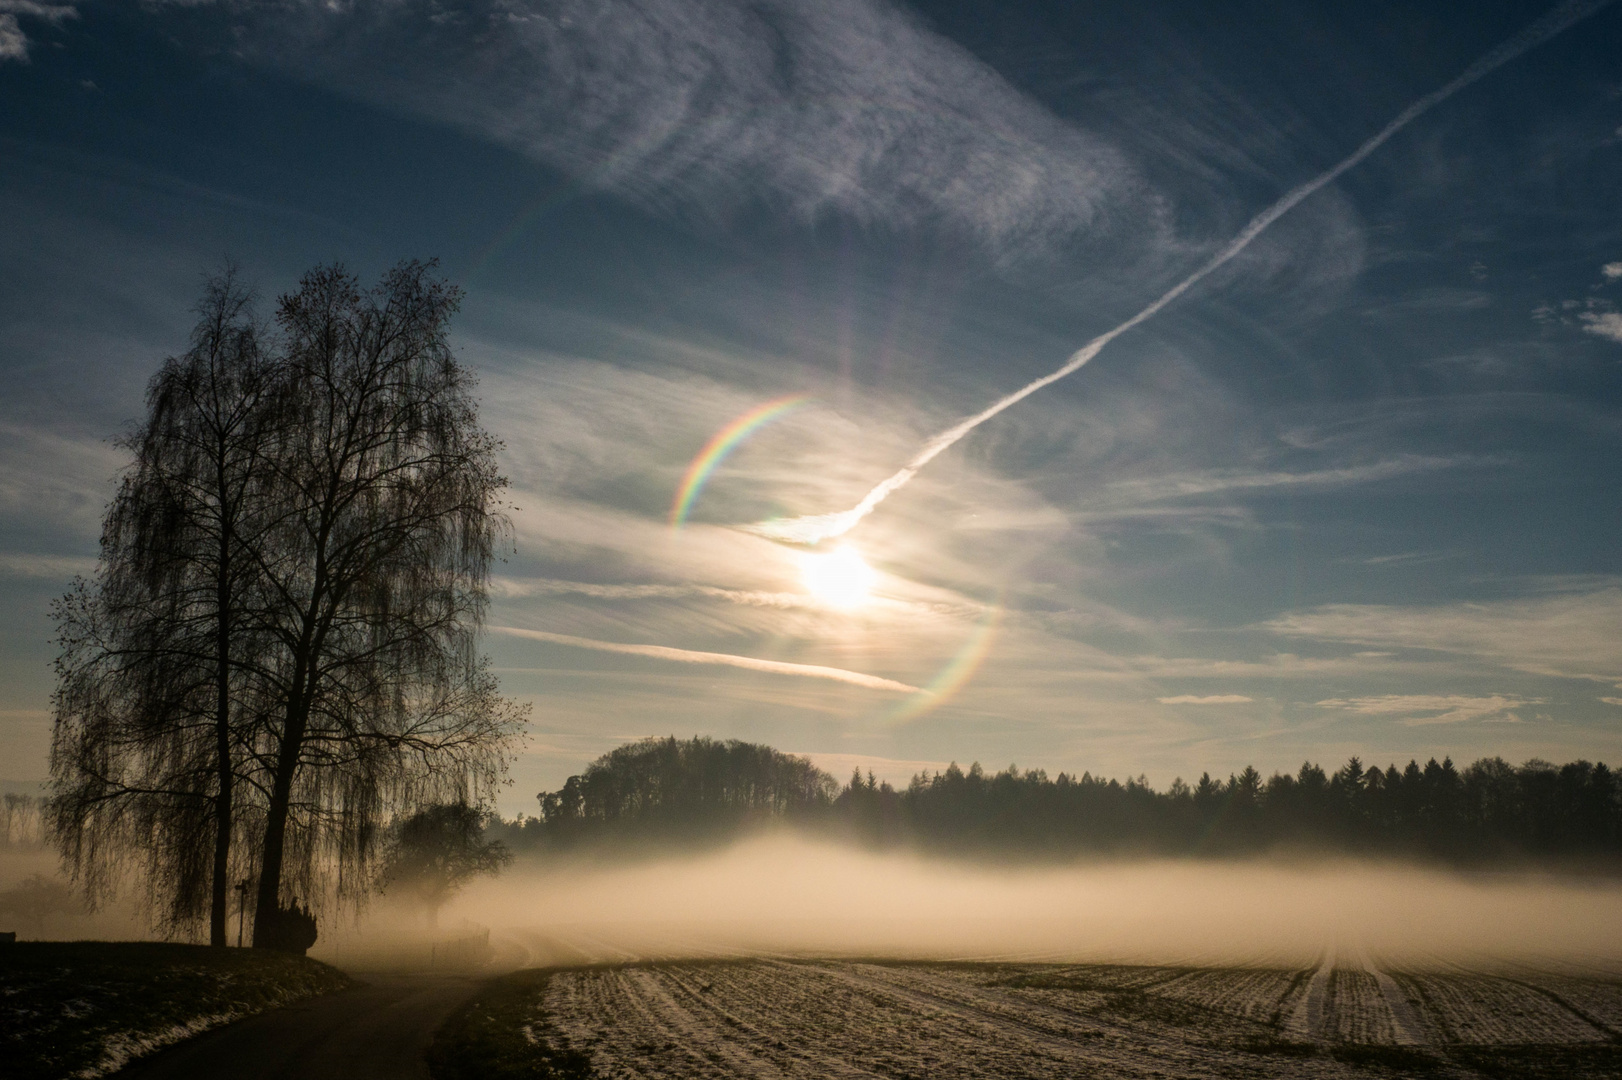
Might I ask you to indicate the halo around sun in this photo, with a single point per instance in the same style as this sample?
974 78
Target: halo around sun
840 578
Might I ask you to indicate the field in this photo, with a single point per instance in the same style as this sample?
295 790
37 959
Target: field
826 1018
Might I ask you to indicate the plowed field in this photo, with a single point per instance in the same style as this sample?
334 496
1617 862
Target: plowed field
826 1018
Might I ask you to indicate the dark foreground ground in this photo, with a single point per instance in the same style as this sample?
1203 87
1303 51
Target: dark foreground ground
376 1030
86 1008
814 1019
794 1018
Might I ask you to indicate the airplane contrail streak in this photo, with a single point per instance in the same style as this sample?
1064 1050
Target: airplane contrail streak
689 656
814 528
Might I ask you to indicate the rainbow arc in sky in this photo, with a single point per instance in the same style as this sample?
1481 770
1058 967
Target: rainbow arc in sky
722 443
957 672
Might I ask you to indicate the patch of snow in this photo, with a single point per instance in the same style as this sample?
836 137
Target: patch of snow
123 1047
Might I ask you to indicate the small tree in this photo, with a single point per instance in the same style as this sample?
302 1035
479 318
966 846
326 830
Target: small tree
20 823
436 851
37 898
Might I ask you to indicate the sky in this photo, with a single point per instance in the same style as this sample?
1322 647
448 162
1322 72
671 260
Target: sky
1354 492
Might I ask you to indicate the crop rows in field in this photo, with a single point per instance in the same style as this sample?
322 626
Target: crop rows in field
1598 1002
1485 1009
1355 1011
770 1018
1260 994
752 1019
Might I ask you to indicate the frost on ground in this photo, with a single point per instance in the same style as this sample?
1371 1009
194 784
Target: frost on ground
119 1048
759 1018
86 1009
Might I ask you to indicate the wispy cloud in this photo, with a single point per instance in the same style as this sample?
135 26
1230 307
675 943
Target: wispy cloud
526 587
57 479
13 42
1216 480
1607 324
46 567
896 771
1576 634
689 656
1407 558
1612 271
1423 709
817 106
1210 699
520 588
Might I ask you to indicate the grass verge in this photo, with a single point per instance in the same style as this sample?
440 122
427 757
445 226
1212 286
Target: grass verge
505 1033
87 1008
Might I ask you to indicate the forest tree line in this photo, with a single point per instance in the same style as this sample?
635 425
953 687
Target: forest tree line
1490 812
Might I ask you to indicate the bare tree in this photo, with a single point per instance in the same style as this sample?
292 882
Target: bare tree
277 652
20 821
374 584
146 752
200 454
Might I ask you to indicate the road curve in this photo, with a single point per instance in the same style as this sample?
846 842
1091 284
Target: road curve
376 1030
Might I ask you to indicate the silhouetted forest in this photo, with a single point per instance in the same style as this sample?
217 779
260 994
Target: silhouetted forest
667 790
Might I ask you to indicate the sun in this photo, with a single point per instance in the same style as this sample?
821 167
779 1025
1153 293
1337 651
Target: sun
840 578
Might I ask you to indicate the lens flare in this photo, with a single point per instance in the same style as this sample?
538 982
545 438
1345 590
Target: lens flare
840 579
721 444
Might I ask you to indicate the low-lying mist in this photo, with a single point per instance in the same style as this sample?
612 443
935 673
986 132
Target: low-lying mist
787 894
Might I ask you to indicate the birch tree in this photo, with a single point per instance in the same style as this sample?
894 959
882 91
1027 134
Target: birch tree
278 651
388 517
145 758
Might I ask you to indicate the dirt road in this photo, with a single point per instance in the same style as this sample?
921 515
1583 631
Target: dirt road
375 1031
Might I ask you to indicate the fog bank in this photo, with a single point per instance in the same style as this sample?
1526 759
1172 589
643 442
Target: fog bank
789 895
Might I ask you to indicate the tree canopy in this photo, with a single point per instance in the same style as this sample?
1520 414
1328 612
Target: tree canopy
669 787
439 849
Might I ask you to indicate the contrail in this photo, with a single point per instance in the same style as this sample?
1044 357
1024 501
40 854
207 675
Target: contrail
688 656
814 528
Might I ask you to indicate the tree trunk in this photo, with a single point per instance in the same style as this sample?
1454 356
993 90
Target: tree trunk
222 834
222 749
268 902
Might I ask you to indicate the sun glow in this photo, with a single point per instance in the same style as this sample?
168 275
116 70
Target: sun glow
840 579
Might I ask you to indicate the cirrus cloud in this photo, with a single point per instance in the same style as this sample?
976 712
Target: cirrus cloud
1210 699
1576 634
13 42
1423 709
692 656
851 107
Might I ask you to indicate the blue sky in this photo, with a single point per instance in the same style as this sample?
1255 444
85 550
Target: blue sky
1354 493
